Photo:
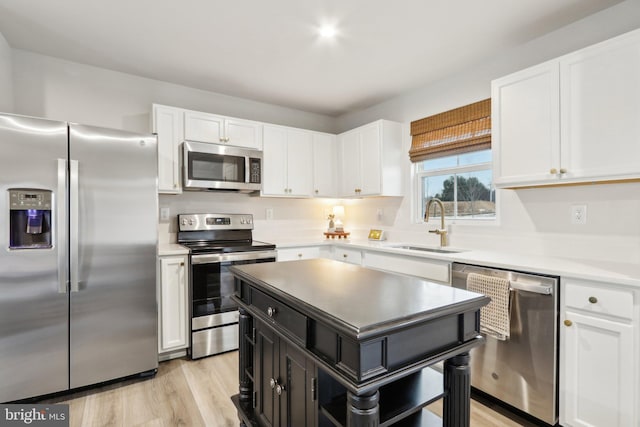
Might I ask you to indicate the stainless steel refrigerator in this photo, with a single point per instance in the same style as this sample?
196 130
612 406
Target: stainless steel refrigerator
78 237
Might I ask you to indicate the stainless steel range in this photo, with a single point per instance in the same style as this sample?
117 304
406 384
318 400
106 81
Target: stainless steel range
216 242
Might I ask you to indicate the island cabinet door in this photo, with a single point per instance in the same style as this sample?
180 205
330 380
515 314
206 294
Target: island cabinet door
266 365
297 392
285 382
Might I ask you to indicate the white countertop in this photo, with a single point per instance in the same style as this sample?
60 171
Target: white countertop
166 249
609 272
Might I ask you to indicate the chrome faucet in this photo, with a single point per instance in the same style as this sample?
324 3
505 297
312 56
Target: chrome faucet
442 231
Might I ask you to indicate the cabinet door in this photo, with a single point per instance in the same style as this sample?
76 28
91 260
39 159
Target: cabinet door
600 108
324 165
203 127
266 365
168 124
350 162
370 155
597 372
299 163
526 126
243 133
297 396
274 166
173 304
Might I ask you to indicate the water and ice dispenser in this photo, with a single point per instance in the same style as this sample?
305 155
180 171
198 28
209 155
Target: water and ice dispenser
30 219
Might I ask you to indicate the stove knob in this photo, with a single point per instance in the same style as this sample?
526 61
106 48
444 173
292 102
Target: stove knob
190 222
249 220
242 220
184 221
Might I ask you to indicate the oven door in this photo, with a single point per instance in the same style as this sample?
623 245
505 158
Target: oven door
212 166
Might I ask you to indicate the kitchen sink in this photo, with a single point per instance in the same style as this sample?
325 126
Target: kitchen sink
426 249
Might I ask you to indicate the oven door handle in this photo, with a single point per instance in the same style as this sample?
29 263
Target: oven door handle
230 257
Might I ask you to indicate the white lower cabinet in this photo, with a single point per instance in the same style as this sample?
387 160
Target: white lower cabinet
414 266
599 355
304 252
351 256
173 313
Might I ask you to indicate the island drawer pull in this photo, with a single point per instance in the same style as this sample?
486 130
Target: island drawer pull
593 300
271 311
568 322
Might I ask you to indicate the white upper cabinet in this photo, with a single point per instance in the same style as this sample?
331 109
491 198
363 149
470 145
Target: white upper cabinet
600 110
370 160
526 126
570 120
168 124
287 169
205 127
324 165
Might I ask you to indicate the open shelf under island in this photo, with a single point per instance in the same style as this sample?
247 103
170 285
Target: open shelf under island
323 343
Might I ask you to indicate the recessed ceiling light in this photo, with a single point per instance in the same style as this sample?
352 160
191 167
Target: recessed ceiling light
328 31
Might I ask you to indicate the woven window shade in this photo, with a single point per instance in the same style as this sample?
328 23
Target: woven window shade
455 131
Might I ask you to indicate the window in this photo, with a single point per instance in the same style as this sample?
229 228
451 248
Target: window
463 182
451 153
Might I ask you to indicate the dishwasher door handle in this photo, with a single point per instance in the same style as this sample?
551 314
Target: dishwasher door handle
537 288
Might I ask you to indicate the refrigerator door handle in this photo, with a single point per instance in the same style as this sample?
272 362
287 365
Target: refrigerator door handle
61 221
74 210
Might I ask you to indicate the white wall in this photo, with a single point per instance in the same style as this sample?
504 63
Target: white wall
535 221
6 81
63 90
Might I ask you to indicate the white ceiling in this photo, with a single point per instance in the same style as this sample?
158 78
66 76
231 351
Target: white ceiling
269 50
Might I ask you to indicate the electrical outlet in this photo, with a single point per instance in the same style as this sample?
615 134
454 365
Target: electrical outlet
579 214
380 214
268 213
164 214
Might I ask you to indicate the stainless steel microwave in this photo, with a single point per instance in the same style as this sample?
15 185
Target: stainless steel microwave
221 167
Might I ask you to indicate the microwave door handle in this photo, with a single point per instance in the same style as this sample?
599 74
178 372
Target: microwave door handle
61 222
247 169
74 210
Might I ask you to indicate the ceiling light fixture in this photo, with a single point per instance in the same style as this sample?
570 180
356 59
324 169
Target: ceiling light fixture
328 31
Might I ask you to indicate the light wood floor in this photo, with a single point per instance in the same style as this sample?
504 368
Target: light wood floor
191 393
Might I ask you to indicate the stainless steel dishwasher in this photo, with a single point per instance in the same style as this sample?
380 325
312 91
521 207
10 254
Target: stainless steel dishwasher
522 370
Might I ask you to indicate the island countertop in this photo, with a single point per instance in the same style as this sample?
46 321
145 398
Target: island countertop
360 301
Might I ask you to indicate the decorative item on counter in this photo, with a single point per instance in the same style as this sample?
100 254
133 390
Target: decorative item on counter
332 225
335 224
376 234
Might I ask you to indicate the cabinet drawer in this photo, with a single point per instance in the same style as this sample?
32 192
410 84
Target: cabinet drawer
348 255
280 313
298 253
613 302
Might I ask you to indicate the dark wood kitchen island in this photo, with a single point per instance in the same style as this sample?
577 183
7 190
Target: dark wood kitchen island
325 343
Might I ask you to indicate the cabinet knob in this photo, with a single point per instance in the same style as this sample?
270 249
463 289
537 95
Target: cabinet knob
553 171
299 255
221 139
344 255
317 191
563 170
279 389
568 322
271 311
593 300
182 264
272 383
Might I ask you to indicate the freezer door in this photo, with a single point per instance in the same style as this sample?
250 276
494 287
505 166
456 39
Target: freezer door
33 288
113 237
